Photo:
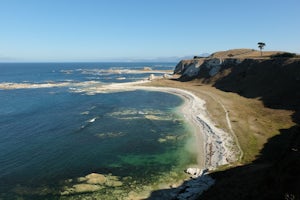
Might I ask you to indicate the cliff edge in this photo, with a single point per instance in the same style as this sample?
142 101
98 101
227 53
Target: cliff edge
275 76
274 79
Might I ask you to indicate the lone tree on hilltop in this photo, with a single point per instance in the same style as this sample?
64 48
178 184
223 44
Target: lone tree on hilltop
261 46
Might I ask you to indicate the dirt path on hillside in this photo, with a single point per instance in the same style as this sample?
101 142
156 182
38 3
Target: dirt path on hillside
248 120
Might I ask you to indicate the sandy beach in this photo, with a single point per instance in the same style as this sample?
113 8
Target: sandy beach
215 146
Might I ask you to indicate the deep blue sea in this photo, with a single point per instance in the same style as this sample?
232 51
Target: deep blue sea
52 139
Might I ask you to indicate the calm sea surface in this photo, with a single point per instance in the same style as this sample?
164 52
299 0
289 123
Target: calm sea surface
51 139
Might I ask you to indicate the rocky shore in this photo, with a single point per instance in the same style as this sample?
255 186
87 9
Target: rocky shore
215 146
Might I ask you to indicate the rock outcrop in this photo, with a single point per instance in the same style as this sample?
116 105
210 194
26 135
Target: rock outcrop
274 78
189 68
195 172
276 81
90 183
204 67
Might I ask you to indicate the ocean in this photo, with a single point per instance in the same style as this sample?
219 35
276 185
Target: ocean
58 143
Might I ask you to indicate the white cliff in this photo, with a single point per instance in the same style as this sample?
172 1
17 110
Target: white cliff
203 67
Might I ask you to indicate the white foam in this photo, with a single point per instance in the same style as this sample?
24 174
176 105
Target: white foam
73 85
85 113
92 120
121 78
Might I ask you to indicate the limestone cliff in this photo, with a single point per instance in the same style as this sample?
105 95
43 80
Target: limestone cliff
213 63
203 67
272 77
210 66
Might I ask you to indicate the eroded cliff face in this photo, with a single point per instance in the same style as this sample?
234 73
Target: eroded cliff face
203 67
275 80
188 68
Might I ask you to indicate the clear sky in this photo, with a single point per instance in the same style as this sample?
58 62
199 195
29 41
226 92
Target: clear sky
95 30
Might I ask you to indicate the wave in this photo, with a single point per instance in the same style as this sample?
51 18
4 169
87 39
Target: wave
88 122
66 71
92 120
121 78
12 85
85 113
109 135
100 72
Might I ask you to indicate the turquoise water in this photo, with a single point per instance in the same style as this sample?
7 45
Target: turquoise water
52 139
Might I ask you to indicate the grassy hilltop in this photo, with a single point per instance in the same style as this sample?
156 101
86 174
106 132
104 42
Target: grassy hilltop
262 96
274 80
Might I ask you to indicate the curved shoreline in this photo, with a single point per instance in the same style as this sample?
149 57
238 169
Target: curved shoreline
215 147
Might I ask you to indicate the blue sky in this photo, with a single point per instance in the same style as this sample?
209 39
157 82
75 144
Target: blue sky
97 30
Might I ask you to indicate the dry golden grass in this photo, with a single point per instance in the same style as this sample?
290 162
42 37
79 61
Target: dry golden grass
251 121
244 53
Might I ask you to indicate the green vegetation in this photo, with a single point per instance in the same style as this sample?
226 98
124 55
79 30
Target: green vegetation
261 95
261 45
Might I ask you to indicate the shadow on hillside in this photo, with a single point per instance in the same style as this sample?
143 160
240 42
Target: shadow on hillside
275 174
275 81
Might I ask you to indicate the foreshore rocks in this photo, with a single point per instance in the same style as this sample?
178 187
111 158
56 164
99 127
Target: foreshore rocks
90 183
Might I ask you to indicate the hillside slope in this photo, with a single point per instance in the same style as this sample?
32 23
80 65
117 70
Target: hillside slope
274 79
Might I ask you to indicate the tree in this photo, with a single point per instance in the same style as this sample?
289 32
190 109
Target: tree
261 46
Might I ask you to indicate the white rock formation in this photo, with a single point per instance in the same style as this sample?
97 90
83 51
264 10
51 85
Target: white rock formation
195 172
151 77
211 66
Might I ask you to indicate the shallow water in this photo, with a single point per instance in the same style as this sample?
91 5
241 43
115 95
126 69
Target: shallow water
51 137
